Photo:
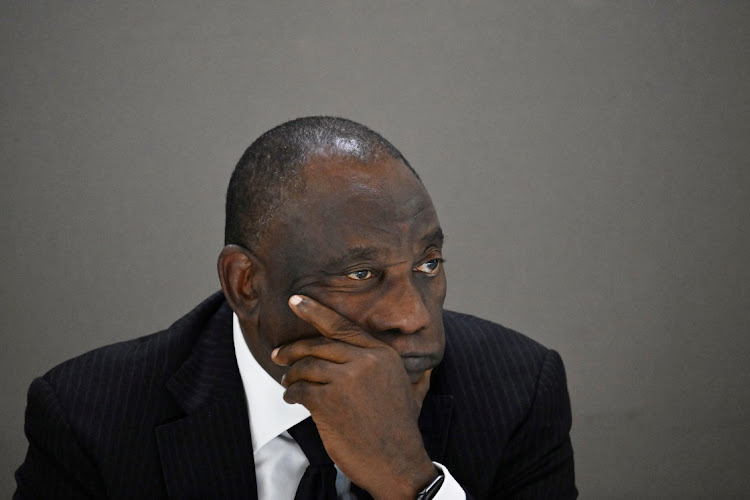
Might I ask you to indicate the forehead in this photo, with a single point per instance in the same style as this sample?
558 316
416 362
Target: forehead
344 204
344 187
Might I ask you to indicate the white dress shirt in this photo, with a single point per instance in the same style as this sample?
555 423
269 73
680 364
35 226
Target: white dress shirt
279 461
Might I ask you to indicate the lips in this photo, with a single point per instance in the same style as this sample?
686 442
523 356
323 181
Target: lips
416 366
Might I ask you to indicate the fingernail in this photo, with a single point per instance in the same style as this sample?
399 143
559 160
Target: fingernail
275 352
295 300
283 377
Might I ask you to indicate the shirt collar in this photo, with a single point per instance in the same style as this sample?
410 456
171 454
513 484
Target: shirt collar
269 414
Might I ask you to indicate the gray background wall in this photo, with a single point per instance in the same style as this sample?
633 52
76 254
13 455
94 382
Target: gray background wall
589 160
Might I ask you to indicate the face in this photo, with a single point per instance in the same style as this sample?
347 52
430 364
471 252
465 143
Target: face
365 241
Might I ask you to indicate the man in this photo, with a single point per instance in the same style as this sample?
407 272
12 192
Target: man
332 307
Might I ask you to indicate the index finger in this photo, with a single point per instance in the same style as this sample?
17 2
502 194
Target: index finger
329 323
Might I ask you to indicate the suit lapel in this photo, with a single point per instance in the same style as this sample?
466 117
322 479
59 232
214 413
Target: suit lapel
208 453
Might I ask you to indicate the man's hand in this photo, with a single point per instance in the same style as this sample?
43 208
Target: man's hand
362 401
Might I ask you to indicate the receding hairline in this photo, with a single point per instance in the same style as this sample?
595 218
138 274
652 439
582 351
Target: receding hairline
272 168
322 167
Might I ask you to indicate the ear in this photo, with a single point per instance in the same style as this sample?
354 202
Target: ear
239 272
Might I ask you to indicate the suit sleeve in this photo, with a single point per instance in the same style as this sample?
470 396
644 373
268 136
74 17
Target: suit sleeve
541 464
55 465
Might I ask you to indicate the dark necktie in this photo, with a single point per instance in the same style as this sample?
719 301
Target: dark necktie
319 480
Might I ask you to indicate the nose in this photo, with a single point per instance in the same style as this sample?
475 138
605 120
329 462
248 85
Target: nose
400 310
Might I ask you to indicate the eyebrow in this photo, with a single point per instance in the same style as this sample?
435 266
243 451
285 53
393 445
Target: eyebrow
354 254
362 253
437 238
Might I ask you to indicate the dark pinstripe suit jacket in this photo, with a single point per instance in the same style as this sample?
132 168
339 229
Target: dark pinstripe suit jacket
165 416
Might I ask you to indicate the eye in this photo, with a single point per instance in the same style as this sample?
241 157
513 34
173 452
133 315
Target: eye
361 274
430 267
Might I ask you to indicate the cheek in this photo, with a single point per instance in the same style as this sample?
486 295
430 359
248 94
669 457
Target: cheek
356 307
278 325
352 306
433 293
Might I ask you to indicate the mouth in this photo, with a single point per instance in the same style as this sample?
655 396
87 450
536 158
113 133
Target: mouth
416 366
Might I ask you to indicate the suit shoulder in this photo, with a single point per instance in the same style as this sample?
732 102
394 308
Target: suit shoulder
480 350
510 408
149 356
108 359
496 376
471 335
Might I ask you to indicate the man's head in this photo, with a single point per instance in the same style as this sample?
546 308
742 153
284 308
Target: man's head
341 217
270 168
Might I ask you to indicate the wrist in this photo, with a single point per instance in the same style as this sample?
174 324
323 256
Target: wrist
429 491
426 476
409 485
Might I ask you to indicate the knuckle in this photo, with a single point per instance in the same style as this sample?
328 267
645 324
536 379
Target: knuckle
284 354
299 370
309 373
298 392
350 376
290 395
371 357
303 364
293 353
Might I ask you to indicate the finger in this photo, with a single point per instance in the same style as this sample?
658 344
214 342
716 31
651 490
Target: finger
308 394
312 370
421 387
318 347
330 323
